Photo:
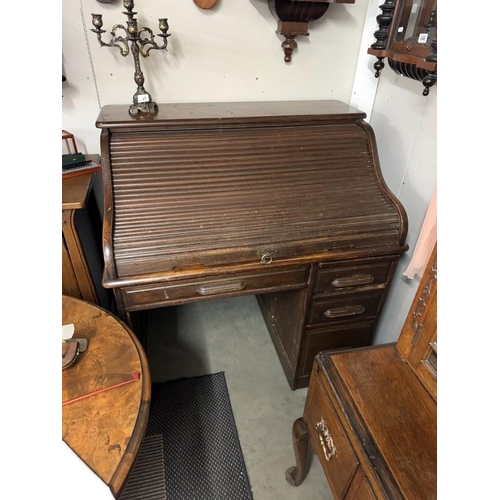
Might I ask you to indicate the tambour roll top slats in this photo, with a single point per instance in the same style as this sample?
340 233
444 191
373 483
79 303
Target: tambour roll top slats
219 194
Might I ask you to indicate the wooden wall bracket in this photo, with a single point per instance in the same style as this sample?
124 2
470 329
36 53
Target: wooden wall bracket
290 30
294 17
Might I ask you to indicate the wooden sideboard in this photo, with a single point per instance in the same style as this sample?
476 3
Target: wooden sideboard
284 200
371 413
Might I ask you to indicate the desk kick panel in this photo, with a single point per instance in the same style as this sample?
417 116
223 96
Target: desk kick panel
216 197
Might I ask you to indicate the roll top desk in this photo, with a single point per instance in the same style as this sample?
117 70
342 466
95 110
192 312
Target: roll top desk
284 200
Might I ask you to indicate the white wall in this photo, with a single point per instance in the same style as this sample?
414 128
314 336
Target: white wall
405 124
80 105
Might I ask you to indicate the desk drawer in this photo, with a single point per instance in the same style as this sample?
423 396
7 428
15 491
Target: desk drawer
348 305
329 439
343 276
336 336
178 292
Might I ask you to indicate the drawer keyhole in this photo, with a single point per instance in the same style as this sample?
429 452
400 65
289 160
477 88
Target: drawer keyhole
266 258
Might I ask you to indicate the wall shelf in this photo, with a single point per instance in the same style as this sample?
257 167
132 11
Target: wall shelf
294 17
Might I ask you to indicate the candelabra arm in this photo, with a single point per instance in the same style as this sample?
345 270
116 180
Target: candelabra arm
115 40
119 39
143 42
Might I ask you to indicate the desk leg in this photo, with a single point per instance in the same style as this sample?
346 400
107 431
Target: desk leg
120 306
295 475
139 326
135 321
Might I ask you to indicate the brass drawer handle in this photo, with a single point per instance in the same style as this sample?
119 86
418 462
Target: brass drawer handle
356 280
344 311
325 440
221 288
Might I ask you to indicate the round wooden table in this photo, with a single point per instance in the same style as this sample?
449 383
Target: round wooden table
105 429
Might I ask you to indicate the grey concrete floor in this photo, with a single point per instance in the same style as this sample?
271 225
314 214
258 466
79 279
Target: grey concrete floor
230 335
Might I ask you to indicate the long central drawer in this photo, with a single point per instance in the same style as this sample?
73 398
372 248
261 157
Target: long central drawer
183 291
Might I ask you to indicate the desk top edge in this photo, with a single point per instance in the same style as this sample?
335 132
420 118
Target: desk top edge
112 116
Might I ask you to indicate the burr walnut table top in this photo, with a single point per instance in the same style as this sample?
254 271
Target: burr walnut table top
106 428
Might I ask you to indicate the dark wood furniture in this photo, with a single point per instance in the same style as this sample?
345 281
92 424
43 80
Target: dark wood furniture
106 429
77 279
407 37
370 413
294 17
284 200
82 260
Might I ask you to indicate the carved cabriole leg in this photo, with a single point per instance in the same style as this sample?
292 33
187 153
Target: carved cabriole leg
295 475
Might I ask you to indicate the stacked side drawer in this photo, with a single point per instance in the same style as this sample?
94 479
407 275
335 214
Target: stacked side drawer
347 297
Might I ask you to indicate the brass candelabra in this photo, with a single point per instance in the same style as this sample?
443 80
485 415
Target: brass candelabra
139 41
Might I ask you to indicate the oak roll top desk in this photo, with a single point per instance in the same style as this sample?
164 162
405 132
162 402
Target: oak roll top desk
284 200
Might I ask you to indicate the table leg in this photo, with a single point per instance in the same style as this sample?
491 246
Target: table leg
295 475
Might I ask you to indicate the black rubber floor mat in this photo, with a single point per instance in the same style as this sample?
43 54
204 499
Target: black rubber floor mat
202 457
147 479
